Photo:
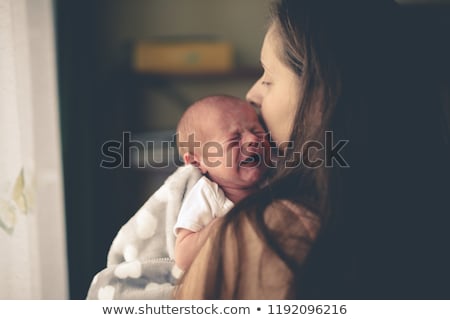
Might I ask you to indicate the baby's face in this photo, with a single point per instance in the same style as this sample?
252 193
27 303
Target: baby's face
234 147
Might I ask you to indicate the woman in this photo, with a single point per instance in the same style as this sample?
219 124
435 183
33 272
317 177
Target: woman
362 217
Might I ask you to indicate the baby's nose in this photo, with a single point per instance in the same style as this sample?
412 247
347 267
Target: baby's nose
251 140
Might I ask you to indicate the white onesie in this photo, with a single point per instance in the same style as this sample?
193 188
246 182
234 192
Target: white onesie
202 204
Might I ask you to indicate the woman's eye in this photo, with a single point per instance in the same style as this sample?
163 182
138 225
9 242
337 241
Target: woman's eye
266 83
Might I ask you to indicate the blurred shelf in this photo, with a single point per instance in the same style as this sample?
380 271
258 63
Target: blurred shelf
167 84
237 74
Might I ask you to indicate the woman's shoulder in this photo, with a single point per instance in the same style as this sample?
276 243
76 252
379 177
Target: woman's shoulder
249 265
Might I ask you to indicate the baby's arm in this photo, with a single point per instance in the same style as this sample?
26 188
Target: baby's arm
188 244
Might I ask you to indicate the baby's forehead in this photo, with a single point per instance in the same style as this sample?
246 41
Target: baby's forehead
232 108
225 120
214 121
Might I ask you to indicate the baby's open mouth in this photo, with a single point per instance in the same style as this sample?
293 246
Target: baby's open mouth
251 161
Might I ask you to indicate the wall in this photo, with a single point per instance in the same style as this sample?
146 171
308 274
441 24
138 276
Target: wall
241 22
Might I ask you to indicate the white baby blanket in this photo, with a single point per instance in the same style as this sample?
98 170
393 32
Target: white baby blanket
141 257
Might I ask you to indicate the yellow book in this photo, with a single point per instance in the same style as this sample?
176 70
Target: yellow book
190 57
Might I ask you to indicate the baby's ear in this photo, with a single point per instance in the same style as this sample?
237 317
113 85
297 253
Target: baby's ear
194 160
188 158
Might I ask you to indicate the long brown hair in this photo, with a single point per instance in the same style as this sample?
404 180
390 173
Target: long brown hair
355 61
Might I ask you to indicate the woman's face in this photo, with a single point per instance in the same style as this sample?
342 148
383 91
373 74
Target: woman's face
277 92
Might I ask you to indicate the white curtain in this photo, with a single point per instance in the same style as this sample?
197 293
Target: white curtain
32 231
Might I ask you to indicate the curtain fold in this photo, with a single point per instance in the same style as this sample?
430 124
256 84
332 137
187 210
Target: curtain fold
32 232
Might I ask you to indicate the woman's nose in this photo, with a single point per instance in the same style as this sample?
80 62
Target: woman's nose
254 96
